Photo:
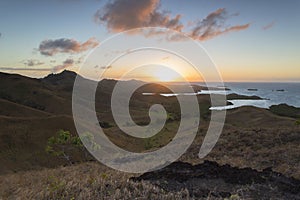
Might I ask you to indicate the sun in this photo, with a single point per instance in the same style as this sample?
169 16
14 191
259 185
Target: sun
164 74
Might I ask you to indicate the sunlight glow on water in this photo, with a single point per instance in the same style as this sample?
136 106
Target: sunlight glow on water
240 103
236 103
276 93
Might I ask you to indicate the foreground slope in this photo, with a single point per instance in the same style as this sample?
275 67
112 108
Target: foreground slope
92 180
33 110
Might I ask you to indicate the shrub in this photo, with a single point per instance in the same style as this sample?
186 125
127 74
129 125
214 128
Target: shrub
60 144
285 110
89 140
64 145
105 125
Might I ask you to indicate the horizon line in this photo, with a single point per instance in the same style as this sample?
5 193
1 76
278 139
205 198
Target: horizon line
136 79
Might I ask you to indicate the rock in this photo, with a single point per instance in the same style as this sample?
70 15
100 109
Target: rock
210 178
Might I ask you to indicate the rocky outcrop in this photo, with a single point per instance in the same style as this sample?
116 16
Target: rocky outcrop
212 179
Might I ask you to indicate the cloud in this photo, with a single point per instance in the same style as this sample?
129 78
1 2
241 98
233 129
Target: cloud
24 69
63 45
80 59
122 15
268 26
214 25
67 63
105 67
32 62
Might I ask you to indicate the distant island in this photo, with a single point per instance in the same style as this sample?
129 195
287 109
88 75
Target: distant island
252 89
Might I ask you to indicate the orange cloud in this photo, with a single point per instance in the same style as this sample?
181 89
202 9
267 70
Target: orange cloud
63 45
67 63
214 25
122 15
217 32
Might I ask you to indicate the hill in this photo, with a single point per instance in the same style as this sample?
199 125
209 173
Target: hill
33 110
179 180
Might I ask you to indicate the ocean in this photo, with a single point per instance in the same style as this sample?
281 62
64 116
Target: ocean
272 93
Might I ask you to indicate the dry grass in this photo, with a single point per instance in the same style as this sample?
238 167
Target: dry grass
84 181
258 148
252 137
95 181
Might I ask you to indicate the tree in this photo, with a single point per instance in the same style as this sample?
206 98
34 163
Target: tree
61 144
64 145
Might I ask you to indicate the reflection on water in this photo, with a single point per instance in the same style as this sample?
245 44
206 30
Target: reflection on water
235 103
277 93
189 94
240 103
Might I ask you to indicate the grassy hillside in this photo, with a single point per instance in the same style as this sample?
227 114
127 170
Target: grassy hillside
92 180
33 110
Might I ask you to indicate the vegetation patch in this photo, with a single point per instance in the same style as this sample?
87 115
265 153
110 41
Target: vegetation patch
285 110
66 146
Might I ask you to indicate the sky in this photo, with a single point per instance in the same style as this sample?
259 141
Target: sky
247 40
